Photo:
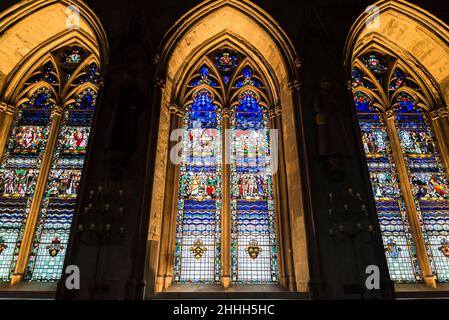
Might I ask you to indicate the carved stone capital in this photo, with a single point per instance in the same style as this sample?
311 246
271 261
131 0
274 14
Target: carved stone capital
176 110
159 83
58 110
390 114
7 108
444 112
295 85
275 112
226 112
439 113
435 115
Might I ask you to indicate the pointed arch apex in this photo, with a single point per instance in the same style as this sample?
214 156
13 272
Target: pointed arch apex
244 8
397 18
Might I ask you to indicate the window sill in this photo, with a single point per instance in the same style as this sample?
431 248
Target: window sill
421 291
28 290
194 291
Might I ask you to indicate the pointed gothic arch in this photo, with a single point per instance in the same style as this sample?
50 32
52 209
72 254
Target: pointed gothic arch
50 77
400 92
206 28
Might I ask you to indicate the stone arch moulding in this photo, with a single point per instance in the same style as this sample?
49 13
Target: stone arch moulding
424 48
31 29
406 61
204 28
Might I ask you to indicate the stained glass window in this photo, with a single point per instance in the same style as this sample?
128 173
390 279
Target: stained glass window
198 232
395 229
376 64
428 180
201 201
253 243
55 219
19 170
72 82
397 91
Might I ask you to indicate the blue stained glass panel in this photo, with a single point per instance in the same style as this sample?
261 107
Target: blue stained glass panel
59 202
19 170
428 180
247 79
253 232
395 229
198 229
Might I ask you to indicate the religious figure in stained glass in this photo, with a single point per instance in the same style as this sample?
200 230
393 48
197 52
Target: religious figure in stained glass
253 244
198 230
427 181
21 165
200 192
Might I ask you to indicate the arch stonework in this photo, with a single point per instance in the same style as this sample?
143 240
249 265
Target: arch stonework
30 30
416 37
201 30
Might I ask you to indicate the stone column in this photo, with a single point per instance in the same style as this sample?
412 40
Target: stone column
283 226
166 237
6 119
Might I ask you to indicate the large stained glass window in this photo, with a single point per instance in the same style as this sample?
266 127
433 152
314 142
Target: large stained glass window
63 106
395 229
382 89
224 95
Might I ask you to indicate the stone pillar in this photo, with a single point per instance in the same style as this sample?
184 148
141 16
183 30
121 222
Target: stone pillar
6 119
163 280
283 227
172 189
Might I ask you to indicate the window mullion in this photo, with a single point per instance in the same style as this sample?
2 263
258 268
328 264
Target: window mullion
6 118
27 240
226 205
440 124
282 214
168 243
410 205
